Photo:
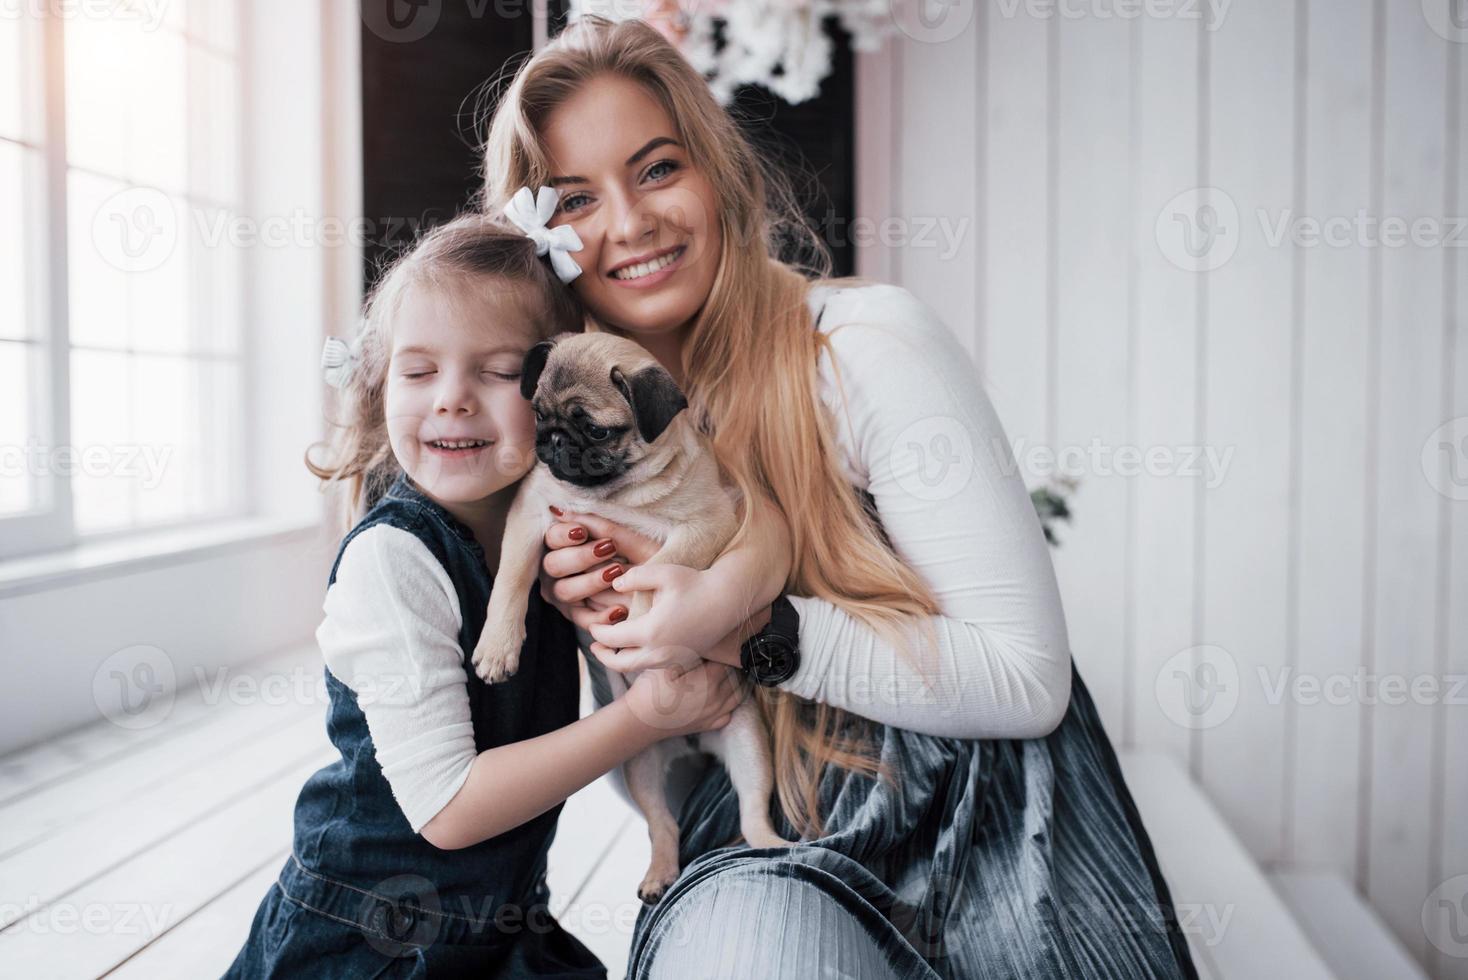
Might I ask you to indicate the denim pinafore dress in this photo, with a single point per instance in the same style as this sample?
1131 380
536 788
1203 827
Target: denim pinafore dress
361 894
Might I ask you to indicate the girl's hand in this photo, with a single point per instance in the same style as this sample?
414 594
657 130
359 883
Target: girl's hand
572 572
680 702
685 623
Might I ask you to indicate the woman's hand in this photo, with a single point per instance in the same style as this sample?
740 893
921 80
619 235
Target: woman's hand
681 702
574 576
684 625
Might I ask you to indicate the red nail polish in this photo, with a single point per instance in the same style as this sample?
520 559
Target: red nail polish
612 573
618 615
557 511
578 534
604 549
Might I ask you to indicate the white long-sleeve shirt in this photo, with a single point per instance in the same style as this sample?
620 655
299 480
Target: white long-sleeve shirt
917 431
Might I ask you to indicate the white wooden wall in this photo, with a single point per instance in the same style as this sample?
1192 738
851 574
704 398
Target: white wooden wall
1325 548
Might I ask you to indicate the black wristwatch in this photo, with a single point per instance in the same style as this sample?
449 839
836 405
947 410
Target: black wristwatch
772 655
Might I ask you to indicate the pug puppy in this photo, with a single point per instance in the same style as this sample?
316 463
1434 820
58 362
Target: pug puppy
612 438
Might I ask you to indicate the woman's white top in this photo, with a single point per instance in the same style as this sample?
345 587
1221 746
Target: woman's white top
917 430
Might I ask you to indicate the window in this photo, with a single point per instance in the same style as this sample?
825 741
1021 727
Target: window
121 360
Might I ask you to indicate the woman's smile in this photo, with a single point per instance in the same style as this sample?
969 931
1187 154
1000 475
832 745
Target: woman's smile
644 273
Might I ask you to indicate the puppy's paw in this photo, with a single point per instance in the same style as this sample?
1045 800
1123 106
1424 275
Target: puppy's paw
656 884
497 654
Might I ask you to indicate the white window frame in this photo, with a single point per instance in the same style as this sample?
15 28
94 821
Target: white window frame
50 526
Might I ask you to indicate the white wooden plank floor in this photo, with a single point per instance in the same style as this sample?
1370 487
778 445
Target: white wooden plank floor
144 853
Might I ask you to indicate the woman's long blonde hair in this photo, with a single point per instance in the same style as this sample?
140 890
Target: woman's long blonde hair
357 463
753 335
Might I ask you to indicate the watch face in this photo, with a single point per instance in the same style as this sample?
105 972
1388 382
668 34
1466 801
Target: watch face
773 659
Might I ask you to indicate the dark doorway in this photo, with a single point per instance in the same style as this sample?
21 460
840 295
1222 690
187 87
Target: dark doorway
424 62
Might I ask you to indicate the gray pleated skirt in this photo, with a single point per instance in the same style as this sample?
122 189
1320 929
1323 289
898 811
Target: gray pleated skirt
987 859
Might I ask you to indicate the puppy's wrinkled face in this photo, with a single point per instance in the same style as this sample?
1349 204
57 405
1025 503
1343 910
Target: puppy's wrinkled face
600 403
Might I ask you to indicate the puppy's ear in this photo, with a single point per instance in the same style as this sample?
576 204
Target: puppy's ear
655 399
531 367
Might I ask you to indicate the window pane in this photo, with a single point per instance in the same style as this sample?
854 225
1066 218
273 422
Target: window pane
213 133
125 100
165 437
101 421
158 294
215 482
19 73
218 316
98 239
20 246
214 23
17 461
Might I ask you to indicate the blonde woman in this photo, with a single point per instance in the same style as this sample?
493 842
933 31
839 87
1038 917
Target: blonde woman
959 807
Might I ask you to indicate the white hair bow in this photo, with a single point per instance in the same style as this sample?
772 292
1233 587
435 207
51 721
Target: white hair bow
530 214
338 358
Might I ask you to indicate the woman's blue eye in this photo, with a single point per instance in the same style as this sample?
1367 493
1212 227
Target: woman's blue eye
566 202
672 165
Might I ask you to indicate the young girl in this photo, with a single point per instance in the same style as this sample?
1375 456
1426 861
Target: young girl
422 850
